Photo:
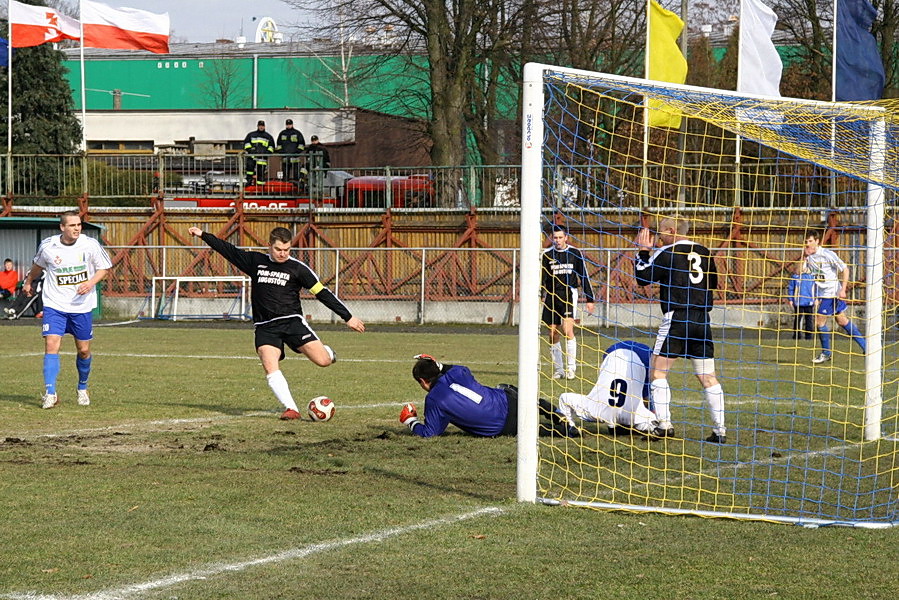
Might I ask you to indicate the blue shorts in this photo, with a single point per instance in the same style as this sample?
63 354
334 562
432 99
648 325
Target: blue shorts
831 306
80 325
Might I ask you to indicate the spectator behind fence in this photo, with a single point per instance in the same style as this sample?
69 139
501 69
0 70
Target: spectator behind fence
316 147
801 296
9 279
258 145
290 143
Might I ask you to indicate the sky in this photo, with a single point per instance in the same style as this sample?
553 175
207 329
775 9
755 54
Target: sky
209 20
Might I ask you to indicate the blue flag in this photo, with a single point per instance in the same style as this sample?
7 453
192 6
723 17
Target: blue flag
859 70
4 53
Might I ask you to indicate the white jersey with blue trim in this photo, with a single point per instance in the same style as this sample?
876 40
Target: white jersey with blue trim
68 266
617 397
825 266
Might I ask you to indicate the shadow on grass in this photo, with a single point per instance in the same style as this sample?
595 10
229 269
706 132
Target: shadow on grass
26 399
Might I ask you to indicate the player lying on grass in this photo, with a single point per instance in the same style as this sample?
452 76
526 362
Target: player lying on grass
617 397
454 397
277 314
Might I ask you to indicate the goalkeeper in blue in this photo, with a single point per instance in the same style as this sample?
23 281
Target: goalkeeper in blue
454 397
617 399
831 282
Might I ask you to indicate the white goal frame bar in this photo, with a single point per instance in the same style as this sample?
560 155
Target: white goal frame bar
533 99
243 280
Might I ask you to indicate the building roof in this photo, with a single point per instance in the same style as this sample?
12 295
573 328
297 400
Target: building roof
222 49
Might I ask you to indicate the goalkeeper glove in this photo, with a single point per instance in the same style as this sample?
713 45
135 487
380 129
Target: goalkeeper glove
409 416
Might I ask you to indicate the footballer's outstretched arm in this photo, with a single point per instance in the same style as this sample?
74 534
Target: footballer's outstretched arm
327 297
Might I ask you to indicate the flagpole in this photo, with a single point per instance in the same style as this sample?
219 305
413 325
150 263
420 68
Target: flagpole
83 93
83 102
833 98
833 57
644 186
738 145
9 111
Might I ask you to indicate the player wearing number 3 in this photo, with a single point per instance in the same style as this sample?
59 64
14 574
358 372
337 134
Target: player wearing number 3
687 277
456 398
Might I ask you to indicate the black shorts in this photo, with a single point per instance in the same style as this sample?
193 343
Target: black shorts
685 333
293 333
559 305
511 425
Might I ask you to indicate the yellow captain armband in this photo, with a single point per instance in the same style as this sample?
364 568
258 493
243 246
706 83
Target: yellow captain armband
315 289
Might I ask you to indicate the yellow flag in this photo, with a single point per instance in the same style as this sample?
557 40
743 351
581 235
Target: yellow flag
666 63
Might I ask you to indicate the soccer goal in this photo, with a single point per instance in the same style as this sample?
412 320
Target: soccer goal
181 298
808 441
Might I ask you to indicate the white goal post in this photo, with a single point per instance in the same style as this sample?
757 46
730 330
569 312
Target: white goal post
180 297
810 442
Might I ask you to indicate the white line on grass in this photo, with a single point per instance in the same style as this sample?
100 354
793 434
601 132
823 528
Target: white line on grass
216 569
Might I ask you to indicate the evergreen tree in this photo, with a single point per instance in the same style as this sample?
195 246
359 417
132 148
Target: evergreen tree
43 119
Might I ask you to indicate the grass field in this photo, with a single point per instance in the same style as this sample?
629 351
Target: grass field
180 482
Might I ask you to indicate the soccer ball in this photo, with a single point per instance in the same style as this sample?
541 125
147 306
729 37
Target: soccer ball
321 408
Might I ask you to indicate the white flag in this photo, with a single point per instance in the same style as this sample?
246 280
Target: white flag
760 66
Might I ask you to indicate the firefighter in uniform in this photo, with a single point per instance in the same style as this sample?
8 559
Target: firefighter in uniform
258 145
290 144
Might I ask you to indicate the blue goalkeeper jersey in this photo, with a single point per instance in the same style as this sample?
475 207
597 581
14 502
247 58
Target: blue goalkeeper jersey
458 399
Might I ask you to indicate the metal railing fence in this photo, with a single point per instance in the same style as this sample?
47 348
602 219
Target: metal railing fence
133 179
471 284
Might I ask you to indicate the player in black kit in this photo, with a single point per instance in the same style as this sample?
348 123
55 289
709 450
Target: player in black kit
563 272
277 315
687 278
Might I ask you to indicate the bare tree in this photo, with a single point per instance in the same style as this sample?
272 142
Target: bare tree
221 82
886 29
446 34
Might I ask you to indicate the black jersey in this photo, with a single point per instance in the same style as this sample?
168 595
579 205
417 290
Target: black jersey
685 272
276 286
565 269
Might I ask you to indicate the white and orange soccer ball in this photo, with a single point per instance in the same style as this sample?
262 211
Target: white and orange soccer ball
321 408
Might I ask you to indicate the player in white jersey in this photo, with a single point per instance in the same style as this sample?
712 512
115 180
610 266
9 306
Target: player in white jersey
617 398
74 264
831 277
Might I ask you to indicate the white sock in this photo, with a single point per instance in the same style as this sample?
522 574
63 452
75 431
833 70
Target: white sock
715 397
278 383
660 393
556 352
571 351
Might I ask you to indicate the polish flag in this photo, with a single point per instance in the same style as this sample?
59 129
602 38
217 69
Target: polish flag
124 28
36 25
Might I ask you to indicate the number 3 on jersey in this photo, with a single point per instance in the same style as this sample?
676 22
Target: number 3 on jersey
696 272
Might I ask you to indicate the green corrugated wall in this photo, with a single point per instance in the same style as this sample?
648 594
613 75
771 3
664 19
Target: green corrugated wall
283 82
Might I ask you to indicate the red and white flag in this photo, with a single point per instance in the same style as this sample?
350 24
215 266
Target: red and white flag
36 25
124 28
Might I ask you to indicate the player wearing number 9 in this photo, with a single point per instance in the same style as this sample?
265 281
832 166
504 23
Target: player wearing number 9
454 397
687 278
617 397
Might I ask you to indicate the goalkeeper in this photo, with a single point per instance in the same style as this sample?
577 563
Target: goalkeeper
454 397
616 399
277 313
